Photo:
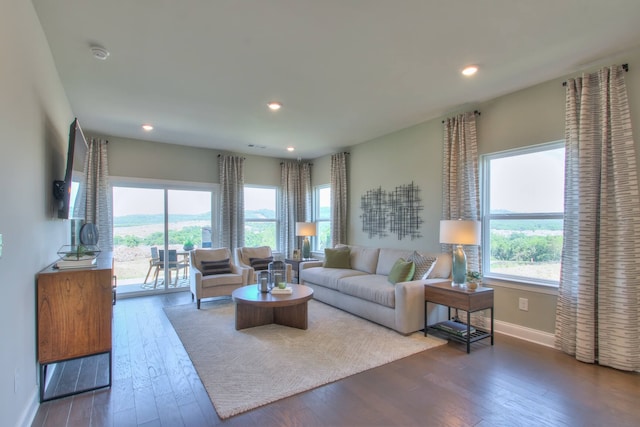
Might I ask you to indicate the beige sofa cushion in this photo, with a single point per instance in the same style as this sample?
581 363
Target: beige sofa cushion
442 268
388 258
363 258
370 287
327 277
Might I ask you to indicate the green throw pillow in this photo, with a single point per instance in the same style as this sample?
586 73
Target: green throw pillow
337 258
402 271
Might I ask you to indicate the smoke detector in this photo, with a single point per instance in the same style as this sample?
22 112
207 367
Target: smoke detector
99 52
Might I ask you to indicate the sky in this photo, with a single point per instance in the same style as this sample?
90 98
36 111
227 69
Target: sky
132 201
528 183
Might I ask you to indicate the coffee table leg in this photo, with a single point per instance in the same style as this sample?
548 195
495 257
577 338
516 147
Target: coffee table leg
294 316
249 316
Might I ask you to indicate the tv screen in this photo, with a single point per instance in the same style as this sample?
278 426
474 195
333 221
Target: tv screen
66 192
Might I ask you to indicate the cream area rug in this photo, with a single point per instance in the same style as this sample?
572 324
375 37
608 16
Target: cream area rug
242 370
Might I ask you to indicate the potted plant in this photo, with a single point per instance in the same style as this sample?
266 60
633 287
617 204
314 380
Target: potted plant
188 245
474 279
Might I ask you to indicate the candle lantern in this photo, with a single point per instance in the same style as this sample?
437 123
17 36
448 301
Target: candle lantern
263 281
277 274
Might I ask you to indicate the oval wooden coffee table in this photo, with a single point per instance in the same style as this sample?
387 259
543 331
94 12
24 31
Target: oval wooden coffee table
254 308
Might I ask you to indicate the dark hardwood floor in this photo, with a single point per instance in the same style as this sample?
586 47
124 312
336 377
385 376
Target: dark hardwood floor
514 383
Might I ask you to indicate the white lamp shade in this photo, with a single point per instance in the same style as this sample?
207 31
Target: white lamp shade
460 232
305 228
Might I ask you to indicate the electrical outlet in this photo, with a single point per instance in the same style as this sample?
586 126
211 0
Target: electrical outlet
523 304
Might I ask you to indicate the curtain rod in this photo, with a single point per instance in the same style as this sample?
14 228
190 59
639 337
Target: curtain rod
243 158
476 112
625 67
282 163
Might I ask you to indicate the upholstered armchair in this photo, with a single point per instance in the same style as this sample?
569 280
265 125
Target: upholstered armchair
213 273
256 259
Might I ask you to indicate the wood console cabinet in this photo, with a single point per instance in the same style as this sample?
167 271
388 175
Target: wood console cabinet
75 310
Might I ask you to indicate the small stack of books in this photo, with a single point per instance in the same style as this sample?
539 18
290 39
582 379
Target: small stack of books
282 291
76 263
454 327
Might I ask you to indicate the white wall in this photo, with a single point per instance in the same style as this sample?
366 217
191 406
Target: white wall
34 124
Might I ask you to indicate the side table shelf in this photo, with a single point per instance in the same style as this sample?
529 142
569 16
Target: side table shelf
477 335
463 299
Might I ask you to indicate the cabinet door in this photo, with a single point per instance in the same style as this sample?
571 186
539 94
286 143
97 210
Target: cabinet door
74 314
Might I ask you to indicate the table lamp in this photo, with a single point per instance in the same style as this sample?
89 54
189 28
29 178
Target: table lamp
306 229
459 232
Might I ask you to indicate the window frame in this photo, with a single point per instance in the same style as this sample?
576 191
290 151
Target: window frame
276 220
487 216
317 218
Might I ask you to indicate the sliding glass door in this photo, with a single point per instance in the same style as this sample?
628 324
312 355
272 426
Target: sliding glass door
155 227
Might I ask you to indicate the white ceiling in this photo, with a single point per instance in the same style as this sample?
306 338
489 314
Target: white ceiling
346 71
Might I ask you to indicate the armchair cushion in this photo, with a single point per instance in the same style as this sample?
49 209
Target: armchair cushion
258 252
215 267
260 263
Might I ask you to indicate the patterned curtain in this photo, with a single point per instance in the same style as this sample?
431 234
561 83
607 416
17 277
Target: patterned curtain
598 308
339 198
231 227
97 197
295 203
460 191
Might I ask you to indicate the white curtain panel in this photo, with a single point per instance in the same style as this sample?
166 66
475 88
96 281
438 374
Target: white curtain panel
598 308
460 187
97 197
339 198
231 227
295 203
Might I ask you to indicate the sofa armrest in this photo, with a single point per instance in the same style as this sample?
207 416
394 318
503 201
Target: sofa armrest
409 306
309 264
195 280
244 271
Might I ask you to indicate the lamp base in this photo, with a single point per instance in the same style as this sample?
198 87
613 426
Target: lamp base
306 248
459 269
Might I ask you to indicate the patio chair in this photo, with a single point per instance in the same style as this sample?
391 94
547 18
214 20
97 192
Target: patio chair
154 262
172 264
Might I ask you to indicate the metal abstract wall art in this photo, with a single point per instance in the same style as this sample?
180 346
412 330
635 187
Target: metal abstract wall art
396 212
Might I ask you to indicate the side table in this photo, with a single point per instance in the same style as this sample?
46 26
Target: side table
460 298
295 266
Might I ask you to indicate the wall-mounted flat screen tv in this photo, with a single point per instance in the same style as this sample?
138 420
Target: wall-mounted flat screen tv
67 192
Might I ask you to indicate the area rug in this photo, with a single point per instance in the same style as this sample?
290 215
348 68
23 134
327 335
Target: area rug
242 370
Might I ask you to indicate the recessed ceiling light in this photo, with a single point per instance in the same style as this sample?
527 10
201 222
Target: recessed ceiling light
147 127
290 148
99 52
275 106
470 70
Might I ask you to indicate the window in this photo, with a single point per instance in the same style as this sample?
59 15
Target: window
163 216
523 204
322 216
260 216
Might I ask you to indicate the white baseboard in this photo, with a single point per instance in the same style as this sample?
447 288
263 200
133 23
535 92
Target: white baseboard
532 335
29 412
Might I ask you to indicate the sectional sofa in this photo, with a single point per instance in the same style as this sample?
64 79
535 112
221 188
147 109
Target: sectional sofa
364 289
